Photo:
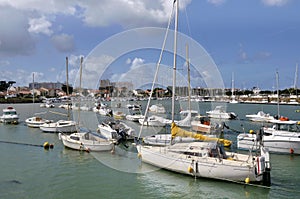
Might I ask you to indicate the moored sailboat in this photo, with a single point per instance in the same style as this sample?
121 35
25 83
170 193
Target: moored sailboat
204 159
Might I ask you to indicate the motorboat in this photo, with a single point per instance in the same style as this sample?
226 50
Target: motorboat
36 122
201 124
220 113
115 130
260 116
285 140
134 112
119 115
61 126
86 141
157 108
9 116
154 120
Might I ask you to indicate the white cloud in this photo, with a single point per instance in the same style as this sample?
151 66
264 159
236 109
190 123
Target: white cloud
275 2
93 66
47 7
128 13
63 42
52 69
40 25
22 77
137 62
216 2
128 61
134 64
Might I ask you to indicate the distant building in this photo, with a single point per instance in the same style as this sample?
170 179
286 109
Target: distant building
47 85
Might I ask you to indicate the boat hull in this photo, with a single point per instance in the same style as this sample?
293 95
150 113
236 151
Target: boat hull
57 127
221 169
86 144
275 144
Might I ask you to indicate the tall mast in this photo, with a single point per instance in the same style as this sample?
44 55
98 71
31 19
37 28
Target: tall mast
67 85
296 79
174 59
33 87
189 76
80 88
232 86
277 82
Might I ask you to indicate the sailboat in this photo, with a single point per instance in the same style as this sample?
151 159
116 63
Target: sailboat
35 121
233 100
64 126
85 140
204 159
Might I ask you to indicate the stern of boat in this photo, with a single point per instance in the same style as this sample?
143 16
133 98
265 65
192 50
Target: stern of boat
263 166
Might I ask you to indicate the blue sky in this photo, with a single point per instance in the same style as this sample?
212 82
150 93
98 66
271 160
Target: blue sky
250 38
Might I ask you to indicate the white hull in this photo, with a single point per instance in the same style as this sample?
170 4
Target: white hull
275 144
219 113
236 169
9 116
59 127
134 118
106 131
197 126
154 121
260 117
164 139
157 108
109 130
10 119
85 141
35 122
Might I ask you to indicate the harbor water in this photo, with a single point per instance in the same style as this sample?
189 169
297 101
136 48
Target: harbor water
30 171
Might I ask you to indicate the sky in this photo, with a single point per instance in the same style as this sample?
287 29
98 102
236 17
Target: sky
249 40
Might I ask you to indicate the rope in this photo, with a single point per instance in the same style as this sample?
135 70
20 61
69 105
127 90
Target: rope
19 143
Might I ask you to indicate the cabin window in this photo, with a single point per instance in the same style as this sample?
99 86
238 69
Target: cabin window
74 138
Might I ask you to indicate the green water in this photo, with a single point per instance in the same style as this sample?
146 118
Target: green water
33 172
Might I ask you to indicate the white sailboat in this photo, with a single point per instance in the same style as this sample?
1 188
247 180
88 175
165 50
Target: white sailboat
35 121
85 140
233 100
64 126
204 159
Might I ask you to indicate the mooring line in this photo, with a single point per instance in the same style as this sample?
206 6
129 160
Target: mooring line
46 145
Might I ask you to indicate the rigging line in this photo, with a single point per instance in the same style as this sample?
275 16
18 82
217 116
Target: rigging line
187 22
156 72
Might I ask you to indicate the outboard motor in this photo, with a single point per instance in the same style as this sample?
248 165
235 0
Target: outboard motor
259 135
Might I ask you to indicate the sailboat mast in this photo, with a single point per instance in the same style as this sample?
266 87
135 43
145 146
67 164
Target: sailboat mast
175 59
80 88
32 87
277 82
232 86
296 78
189 76
67 85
